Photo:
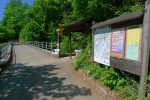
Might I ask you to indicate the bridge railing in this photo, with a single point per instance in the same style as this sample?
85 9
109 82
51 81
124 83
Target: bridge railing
5 54
43 45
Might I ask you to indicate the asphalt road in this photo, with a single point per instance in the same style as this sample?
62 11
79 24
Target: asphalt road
36 75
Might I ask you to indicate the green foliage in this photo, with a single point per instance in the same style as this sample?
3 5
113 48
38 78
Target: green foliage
128 92
96 71
40 20
84 59
2 45
76 41
109 77
31 31
148 86
12 18
125 85
65 45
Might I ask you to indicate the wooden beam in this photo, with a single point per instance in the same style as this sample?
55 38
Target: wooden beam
145 50
70 46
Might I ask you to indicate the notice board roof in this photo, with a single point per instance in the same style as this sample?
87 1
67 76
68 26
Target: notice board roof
83 25
122 18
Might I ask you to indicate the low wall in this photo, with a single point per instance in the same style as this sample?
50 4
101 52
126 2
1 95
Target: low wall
6 60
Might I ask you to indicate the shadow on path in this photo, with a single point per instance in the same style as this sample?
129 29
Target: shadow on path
37 83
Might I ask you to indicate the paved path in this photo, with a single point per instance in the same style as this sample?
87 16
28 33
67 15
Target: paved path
35 75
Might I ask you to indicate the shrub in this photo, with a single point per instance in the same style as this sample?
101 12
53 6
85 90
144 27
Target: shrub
128 92
96 72
64 45
109 77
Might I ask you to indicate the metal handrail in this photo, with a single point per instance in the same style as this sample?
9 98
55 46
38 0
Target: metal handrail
43 45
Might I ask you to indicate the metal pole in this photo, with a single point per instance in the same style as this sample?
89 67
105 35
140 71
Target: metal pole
146 49
42 45
34 43
46 45
51 46
38 44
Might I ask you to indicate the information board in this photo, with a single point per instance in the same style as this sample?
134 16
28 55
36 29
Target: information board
117 42
102 46
133 38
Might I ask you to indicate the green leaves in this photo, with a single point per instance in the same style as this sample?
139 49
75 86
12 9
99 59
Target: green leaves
31 31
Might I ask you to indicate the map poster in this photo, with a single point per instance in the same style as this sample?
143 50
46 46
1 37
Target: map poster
102 46
133 41
117 42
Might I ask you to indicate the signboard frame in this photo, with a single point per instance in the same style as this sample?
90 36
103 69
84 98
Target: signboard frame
139 67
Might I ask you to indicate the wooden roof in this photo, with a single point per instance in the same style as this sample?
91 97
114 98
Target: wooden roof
83 25
120 19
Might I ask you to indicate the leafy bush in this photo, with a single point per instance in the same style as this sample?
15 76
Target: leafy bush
128 92
109 77
125 85
64 45
30 31
148 86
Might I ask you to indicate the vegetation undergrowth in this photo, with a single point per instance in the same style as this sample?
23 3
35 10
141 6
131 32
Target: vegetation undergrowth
124 84
2 45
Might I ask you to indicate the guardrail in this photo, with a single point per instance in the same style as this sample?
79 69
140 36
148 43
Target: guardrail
5 55
52 47
43 45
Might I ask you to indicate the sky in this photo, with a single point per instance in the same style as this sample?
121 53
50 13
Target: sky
3 4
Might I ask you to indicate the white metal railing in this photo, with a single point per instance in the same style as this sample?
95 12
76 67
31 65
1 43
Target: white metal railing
43 45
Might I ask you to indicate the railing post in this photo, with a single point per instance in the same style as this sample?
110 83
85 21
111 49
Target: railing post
51 46
38 44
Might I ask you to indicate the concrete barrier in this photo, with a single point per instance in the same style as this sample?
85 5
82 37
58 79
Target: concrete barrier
6 57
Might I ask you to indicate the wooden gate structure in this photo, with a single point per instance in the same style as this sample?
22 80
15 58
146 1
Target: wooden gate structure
83 26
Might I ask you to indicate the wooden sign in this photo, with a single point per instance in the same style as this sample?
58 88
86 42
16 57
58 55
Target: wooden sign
117 42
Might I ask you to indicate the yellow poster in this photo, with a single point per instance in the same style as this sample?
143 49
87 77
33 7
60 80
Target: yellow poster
133 40
133 36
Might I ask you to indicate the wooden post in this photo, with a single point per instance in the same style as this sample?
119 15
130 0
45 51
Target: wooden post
58 45
146 47
70 46
93 44
83 39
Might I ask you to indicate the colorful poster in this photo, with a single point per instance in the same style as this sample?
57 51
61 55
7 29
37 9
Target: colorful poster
102 46
117 42
133 39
